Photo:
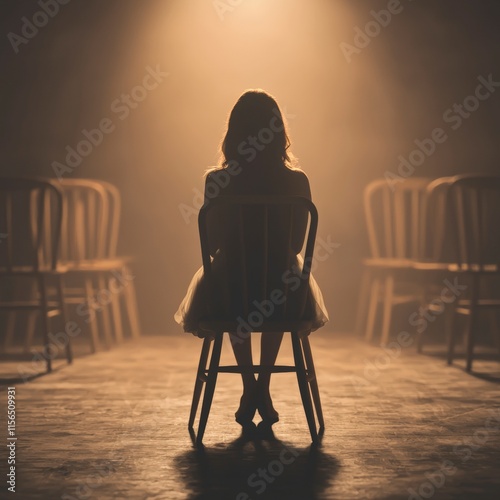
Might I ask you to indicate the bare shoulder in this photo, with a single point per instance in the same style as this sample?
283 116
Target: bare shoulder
300 175
300 181
215 175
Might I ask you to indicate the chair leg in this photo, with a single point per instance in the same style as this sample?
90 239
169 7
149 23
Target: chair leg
116 314
313 382
471 324
31 321
64 316
30 330
493 316
200 380
106 321
363 302
10 329
496 331
210 387
132 310
451 336
372 309
424 302
45 320
12 317
304 386
387 310
94 334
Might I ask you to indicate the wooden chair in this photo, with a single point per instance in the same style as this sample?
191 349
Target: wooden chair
30 251
90 231
437 256
121 264
261 211
393 223
83 245
476 201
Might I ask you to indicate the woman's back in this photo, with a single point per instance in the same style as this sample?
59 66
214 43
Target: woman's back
250 243
266 180
254 247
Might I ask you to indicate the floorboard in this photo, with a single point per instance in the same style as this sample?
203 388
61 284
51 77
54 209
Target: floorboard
398 425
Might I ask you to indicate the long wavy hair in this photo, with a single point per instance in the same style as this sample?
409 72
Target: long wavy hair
256 116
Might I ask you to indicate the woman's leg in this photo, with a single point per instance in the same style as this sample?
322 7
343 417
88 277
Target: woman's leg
270 346
242 348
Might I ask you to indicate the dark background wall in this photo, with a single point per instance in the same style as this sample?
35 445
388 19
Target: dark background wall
349 121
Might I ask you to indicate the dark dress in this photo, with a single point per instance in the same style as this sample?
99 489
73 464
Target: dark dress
253 180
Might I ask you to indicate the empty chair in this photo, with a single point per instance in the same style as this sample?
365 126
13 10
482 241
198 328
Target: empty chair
83 241
125 302
257 298
30 223
88 247
437 260
476 206
393 223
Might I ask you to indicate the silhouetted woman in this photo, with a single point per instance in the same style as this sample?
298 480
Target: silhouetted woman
256 163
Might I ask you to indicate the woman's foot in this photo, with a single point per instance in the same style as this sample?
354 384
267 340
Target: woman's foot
266 409
265 432
246 411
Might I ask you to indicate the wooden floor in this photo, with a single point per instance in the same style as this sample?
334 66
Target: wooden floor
114 426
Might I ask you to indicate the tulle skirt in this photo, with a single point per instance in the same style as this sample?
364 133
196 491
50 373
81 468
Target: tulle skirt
195 305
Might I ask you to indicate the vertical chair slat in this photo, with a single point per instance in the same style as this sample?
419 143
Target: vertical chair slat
9 226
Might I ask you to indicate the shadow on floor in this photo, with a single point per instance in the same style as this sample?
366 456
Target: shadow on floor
459 362
251 467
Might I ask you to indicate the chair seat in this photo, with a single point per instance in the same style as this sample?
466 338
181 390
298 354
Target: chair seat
454 267
268 326
464 306
389 263
29 271
435 266
31 305
97 265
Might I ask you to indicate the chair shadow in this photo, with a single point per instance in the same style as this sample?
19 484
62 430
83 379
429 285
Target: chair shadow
493 377
254 466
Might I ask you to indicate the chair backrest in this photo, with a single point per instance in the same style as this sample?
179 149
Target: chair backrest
393 217
84 228
31 212
113 218
436 221
476 201
250 247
